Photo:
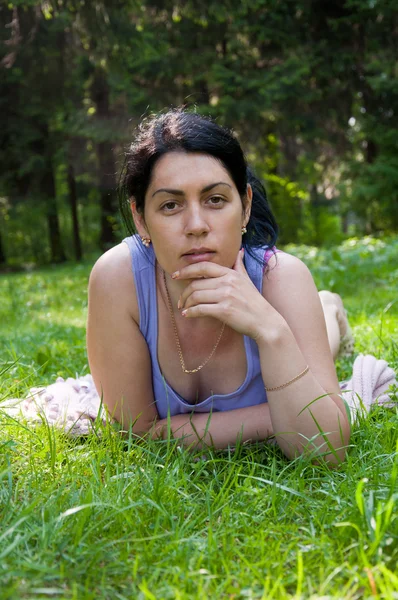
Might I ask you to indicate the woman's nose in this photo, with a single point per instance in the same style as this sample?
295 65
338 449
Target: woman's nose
196 223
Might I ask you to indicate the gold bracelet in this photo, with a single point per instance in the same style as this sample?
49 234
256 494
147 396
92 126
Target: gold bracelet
280 387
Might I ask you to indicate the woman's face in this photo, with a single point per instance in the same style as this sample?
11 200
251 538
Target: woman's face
193 212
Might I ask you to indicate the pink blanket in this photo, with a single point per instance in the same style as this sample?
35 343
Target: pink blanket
372 382
74 404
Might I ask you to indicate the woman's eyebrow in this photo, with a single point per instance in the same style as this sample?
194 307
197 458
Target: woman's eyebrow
181 193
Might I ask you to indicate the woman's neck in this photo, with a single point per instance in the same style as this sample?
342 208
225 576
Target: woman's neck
174 288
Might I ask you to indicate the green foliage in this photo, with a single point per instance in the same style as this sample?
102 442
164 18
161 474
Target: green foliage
26 228
289 77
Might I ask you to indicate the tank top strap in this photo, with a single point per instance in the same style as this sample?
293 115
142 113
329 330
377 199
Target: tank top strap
143 267
254 268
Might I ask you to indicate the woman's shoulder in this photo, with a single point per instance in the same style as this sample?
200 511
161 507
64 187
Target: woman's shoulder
112 277
283 260
113 264
286 271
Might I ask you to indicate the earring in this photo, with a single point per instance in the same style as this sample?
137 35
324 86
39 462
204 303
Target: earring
244 230
146 241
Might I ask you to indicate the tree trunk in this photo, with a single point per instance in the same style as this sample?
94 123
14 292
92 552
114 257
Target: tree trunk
371 151
106 162
344 223
75 218
107 194
288 168
315 209
3 259
48 191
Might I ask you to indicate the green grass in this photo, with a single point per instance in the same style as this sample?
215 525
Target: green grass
104 517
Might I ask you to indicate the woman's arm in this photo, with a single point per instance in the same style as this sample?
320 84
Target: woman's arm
118 354
218 429
288 325
301 340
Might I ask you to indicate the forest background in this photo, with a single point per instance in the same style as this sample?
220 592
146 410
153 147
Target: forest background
309 87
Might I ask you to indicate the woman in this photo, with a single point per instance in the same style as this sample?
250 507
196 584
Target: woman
199 319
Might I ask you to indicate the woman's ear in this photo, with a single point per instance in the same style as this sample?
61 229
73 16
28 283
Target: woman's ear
248 204
139 221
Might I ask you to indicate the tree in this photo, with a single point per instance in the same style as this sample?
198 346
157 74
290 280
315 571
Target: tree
309 88
29 167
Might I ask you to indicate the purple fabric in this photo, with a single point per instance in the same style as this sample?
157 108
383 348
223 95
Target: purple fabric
252 390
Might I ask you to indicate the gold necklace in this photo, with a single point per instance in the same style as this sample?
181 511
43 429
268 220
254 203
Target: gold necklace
189 371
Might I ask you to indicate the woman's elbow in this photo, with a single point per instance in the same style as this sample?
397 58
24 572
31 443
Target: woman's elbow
330 448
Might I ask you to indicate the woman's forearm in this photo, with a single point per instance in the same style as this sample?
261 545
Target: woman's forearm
304 416
217 429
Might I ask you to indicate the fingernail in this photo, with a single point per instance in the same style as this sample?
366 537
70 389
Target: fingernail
175 274
184 312
179 304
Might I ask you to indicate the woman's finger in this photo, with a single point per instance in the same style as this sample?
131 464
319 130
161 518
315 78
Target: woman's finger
239 265
204 310
211 296
201 269
197 285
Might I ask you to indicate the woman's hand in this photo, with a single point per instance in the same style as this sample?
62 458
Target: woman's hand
228 295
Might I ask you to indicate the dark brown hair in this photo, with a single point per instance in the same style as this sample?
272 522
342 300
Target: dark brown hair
179 129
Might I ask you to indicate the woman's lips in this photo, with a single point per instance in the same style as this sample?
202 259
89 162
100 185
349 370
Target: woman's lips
198 256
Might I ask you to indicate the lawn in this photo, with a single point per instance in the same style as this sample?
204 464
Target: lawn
105 517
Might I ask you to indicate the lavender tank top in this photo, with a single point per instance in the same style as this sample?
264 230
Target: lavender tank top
167 400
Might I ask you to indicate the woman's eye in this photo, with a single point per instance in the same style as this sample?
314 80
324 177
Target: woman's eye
169 206
216 200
